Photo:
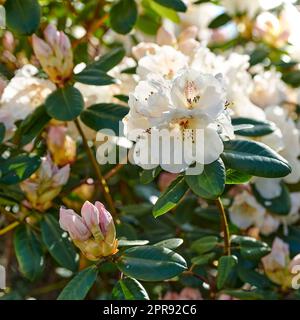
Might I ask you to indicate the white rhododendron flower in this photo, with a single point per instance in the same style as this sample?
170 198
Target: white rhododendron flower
190 101
166 62
236 7
268 89
22 95
245 211
281 140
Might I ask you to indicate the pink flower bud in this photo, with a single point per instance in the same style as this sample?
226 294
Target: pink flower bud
55 54
105 217
73 224
41 49
165 37
90 215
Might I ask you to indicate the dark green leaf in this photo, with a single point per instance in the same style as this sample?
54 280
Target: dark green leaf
29 253
80 285
129 243
210 183
258 55
94 77
176 5
255 159
236 177
256 294
23 16
32 126
65 104
219 21
104 116
254 278
60 248
108 60
2 132
280 205
259 128
205 244
148 176
170 198
170 243
292 78
16 169
225 267
129 289
123 16
150 263
203 259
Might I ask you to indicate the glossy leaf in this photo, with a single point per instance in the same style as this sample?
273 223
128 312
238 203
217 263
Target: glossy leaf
65 104
29 253
123 16
176 5
60 248
94 77
80 285
170 198
258 129
255 159
129 289
219 21
18 168
205 244
210 183
151 263
104 116
23 16
225 267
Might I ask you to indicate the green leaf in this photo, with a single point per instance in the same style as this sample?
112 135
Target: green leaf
104 116
150 263
251 249
176 5
29 253
129 289
259 128
254 158
94 77
203 259
2 132
292 78
108 60
80 285
170 198
165 12
225 267
32 126
210 183
18 168
170 243
148 176
205 244
23 16
254 278
128 243
65 104
256 294
258 56
219 21
60 248
236 177
280 205
123 15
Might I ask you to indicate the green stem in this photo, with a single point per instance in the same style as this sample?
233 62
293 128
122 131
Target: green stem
97 170
225 228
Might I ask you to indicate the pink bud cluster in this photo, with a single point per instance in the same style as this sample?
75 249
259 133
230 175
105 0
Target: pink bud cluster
93 232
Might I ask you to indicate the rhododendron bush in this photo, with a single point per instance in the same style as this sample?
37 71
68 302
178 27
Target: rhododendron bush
150 149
